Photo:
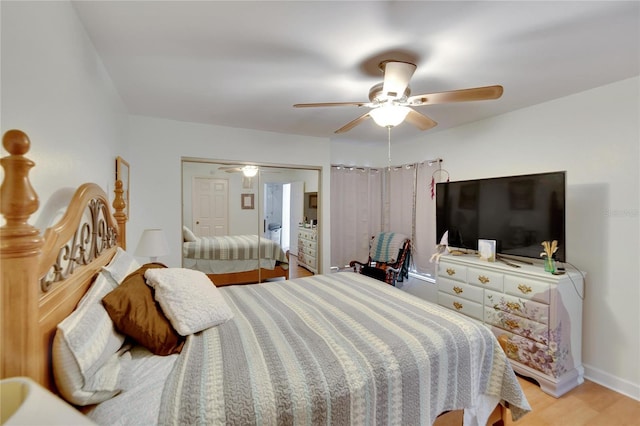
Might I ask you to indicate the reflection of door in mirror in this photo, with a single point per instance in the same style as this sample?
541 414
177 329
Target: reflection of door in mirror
283 211
212 207
274 212
297 215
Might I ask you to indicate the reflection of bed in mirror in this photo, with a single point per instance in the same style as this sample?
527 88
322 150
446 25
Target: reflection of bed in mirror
233 259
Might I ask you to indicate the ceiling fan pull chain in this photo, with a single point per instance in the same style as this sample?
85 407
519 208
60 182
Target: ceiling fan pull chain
389 147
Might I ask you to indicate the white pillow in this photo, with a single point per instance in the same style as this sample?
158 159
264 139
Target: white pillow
86 363
188 299
121 265
188 236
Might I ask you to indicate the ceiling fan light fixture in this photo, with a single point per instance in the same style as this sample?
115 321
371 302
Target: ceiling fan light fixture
389 115
250 171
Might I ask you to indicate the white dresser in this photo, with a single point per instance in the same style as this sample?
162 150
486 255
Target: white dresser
536 315
308 248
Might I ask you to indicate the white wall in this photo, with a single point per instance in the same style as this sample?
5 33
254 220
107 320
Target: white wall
157 146
55 88
595 137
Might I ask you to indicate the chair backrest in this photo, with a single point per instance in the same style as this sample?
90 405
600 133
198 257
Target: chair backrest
386 246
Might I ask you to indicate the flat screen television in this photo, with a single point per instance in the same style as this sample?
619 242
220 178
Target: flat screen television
519 212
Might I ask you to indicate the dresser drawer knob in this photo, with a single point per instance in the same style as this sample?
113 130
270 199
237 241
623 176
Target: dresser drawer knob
524 288
457 289
457 305
512 324
483 279
451 271
513 306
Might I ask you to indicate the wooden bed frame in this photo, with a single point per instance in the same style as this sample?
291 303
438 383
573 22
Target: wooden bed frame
250 277
43 277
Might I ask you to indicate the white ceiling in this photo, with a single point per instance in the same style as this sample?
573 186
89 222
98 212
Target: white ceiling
244 64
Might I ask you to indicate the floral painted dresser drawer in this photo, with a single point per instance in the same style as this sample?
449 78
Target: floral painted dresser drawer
518 306
527 288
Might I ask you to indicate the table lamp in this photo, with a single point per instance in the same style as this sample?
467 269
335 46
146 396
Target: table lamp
153 244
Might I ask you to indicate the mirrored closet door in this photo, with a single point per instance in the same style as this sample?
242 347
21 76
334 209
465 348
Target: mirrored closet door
248 223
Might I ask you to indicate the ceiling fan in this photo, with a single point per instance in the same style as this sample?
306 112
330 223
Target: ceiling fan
391 100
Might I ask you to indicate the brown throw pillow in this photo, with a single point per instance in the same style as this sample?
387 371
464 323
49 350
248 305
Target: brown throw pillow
136 314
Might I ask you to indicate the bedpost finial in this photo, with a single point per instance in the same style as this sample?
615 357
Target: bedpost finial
18 200
16 142
119 205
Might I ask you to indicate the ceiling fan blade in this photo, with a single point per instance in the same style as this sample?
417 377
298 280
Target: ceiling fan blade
419 120
462 95
350 125
396 78
331 104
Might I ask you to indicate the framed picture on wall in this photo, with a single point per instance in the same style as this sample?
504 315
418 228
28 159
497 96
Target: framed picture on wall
313 201
122 174
246 201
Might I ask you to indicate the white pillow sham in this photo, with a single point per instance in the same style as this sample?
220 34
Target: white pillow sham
86 362
188 299
188 235
121 265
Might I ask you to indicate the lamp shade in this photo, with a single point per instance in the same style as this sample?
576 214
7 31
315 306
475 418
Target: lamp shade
389 115
153 244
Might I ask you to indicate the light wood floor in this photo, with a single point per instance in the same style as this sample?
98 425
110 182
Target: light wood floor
296 271
586 405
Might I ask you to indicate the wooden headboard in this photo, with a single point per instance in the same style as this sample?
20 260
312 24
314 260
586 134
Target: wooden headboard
44 275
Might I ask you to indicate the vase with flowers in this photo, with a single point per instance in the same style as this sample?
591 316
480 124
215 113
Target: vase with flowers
549 249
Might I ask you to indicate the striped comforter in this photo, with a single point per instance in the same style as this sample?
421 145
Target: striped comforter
337 349
233 247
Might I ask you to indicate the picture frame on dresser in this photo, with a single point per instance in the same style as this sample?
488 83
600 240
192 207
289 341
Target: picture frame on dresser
487 250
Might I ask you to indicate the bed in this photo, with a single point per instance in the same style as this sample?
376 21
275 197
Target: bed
329 349
233 259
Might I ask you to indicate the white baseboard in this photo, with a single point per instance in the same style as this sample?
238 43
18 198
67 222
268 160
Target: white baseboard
625 387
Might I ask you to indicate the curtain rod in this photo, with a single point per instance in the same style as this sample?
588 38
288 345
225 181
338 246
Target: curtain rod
363 168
